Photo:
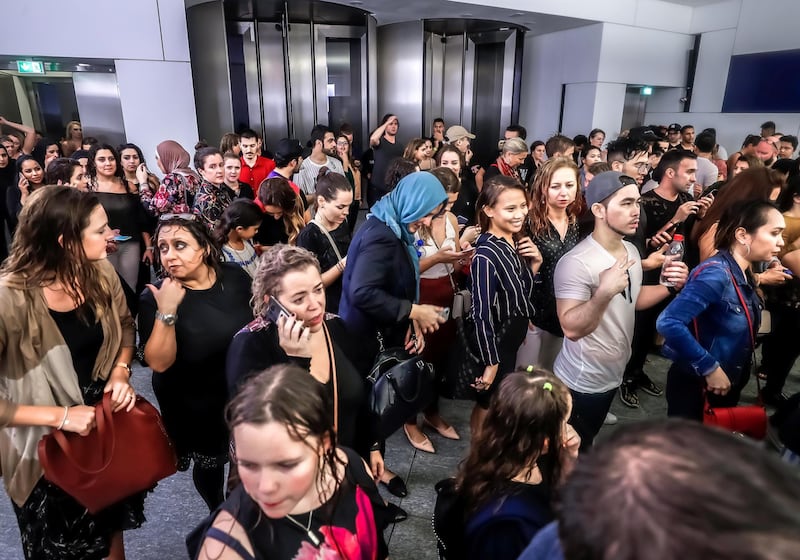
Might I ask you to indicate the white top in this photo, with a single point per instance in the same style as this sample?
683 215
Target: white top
429 248
707 172
247 258
596 362
306 177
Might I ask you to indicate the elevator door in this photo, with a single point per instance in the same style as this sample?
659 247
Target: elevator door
296 75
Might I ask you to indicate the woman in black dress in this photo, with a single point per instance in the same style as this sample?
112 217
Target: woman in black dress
187 322
328 236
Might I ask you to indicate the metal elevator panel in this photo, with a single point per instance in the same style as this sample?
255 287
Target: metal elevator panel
301 78
453 80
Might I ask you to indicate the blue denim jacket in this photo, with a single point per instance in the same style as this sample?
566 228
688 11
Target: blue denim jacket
710 297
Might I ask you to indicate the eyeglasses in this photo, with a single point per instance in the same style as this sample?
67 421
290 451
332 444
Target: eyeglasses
641 167
173 217
344 143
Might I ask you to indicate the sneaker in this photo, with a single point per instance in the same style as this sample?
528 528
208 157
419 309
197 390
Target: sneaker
610 420
628 396
646 384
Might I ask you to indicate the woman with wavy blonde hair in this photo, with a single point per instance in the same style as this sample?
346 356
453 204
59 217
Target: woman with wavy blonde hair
556 202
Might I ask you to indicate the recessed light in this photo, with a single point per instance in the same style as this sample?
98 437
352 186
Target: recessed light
518 14
466 15
356 3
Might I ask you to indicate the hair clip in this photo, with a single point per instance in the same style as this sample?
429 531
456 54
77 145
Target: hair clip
419 243
529 369
547 386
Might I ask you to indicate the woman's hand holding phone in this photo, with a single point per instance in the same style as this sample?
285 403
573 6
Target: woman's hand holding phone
294 337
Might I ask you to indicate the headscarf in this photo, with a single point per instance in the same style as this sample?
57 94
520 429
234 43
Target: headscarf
414 197
173 157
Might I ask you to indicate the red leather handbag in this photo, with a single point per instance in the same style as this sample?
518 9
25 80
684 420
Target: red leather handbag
749 420
127 453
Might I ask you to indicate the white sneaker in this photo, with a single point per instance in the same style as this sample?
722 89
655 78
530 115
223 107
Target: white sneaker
610 420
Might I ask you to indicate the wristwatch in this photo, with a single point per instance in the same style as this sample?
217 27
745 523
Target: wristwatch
168 318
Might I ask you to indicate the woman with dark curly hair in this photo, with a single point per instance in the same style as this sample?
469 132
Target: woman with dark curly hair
186 323
516 462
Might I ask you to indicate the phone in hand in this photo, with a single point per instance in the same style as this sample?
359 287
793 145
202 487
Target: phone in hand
445 313
122 238
275 310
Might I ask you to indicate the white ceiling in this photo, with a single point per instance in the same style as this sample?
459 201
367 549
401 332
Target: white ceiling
393 11
695 3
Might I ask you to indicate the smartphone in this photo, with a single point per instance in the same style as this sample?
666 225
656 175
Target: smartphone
469 251
445 313
122 238
787 271
275 310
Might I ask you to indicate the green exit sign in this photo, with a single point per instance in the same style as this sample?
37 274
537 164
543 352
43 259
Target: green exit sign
30 67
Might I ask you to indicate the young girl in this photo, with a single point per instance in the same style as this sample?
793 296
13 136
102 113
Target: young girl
515 465
234 233
301 495
502 274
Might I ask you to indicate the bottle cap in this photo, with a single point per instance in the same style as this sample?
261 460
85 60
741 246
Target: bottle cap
677 237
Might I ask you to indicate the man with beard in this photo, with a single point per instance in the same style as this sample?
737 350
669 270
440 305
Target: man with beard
323 147
767 152
664 209
598 288
674 135
255 167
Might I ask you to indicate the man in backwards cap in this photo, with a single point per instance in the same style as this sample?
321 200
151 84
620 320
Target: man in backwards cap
598 287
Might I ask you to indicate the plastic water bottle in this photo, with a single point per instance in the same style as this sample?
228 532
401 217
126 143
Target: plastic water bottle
674 253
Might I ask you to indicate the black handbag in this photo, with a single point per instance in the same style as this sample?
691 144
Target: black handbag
403 384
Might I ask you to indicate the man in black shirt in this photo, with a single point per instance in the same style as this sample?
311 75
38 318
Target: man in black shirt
664 209
385 148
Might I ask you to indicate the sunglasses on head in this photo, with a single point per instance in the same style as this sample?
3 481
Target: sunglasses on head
173 217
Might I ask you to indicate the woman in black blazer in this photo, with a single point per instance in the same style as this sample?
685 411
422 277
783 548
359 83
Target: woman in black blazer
381 279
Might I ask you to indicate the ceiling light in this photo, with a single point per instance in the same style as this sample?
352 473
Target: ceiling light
517 14
466 15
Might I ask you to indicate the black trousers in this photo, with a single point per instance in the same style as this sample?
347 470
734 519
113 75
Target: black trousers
588 413
781 348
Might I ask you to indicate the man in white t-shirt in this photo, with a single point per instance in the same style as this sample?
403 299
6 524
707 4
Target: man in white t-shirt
598 286
323 148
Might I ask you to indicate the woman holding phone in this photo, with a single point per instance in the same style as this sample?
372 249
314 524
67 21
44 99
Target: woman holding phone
442 253
502 271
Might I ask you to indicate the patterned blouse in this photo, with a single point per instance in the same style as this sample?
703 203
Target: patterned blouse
552 248
175 194
210 202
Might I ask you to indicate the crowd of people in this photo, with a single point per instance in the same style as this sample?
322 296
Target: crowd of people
261 299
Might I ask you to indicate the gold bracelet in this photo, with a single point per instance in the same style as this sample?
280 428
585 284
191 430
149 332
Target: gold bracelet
125 366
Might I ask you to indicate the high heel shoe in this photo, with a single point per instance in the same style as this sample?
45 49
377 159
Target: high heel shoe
424 445
396 487
449 432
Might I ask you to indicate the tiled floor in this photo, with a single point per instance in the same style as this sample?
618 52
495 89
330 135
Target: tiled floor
174 508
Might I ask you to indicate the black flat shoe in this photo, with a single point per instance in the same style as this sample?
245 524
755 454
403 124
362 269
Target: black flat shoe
396 487
397 513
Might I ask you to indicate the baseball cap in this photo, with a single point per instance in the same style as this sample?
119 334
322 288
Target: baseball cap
457 132
288 149
674 127
605 184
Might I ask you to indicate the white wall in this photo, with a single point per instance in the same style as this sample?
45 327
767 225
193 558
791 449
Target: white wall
147 39
565 57
738 27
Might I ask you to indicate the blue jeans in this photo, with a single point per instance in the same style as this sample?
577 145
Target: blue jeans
588 413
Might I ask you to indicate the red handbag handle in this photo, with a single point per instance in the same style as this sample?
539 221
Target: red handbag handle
103 414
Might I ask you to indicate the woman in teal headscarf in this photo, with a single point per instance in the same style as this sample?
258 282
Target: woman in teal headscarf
381 280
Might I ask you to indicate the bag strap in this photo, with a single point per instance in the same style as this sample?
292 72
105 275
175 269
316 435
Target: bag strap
229 541
446 266
328 235
746 309
332 361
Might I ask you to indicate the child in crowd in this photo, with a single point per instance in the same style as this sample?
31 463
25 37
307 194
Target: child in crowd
234 232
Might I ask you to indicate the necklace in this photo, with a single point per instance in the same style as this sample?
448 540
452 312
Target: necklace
312 537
